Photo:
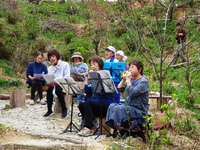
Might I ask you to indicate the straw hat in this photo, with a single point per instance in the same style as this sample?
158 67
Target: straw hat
76 54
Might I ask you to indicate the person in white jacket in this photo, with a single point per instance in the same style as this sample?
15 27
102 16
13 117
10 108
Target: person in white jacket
60 69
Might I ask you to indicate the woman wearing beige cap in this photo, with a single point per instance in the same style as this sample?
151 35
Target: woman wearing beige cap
78 68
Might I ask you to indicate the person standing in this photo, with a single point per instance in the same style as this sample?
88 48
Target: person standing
181 39
60 69
36 67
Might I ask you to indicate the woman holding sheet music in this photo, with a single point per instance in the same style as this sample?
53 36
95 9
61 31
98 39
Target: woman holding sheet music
78 68
95 103
36 67
60 69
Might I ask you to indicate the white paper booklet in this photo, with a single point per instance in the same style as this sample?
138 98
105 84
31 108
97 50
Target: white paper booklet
73 71
69 85
38 76
49 78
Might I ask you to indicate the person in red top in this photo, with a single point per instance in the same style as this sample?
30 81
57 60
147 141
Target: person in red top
181 39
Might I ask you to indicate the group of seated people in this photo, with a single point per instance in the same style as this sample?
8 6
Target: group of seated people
94 106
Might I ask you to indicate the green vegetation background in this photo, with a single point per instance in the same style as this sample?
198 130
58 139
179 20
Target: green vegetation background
28 27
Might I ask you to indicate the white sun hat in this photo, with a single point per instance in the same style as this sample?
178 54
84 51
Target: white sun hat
121 53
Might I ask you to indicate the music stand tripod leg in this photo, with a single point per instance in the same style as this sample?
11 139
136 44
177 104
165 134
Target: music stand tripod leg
69 127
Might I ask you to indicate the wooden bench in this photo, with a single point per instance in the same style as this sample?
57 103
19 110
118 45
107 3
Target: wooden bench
44 88
105 127
165 100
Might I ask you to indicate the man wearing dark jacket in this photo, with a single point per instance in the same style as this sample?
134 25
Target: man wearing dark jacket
181 39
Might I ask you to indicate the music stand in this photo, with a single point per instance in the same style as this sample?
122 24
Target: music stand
69 85
101 84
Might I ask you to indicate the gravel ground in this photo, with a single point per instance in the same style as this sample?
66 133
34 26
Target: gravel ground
30 120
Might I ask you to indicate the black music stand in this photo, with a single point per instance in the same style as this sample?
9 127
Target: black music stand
101 84
70 87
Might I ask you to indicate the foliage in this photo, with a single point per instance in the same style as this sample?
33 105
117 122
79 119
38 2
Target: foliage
8 84
4 129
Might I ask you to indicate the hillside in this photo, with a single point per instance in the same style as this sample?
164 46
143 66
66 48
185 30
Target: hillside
142 29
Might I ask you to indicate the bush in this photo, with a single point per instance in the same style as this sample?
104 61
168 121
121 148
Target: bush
68 37
8 84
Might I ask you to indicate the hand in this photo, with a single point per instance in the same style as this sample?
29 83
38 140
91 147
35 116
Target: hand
52 84
32 78
128 75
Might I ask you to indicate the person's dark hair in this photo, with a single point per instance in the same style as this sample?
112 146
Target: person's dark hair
39 53
178 24
138 64
53 52
98 60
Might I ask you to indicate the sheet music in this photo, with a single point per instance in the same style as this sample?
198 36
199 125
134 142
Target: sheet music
69 85
108 84
49 78
38 76
73 71
101 82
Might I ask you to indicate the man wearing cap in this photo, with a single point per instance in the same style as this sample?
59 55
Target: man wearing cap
181 39
110 54
78 68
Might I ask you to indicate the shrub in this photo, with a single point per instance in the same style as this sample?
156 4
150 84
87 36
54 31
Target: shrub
68 37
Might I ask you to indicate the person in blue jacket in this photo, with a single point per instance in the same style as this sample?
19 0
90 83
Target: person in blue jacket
36 67
94 102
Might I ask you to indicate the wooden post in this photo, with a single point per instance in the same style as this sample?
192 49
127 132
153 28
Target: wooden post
68 100
17 97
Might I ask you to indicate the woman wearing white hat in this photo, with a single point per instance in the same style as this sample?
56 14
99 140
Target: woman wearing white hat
121 57
78 68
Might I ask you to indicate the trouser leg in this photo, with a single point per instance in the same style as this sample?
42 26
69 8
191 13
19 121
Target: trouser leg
81 109
182 53
176 55
87 107
49 98
39 84
33 87
61 98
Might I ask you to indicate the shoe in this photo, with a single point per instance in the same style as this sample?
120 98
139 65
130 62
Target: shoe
48 113
95 123
64 113
38 100
86 132
80 125
115 133
42 102
31 102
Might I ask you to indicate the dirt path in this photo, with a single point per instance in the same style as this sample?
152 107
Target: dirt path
31 129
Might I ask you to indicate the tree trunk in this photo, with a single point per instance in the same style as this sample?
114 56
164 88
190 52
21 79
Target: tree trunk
17 97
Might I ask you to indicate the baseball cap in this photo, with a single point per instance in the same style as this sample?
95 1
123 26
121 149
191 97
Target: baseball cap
111 48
